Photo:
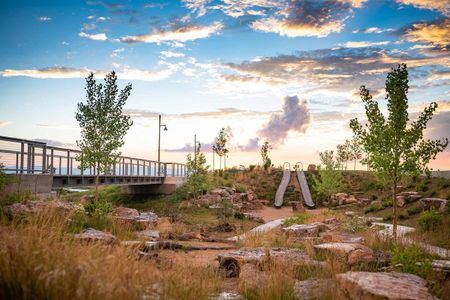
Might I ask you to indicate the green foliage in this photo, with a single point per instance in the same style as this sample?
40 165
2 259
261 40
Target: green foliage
225 212
197 174
297 219
330 179
3 179
344 153
429 220
414 210
220 144
103 124
411 259
14 197
240 188
265 149
394 149
98 208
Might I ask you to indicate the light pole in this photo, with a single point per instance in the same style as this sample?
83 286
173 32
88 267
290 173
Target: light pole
159 144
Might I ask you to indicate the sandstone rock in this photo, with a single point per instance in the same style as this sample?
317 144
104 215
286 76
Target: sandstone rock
375 286
297 206
149 235
305 230
343 198
364 201
231 262
314 289
93 235
132 216
341 237
191 236
436 203
441 265
350 213
125 213
351 253
31 207
221 192
401 201
250 277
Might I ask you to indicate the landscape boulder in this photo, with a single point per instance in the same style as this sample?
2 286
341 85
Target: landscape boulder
305 230
401 201
350 253
381 285
436 203
232 262
32 207
341 237
149 235
314 289
93 235
343 198
132 216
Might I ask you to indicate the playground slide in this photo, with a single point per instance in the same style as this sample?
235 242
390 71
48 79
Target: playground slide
305 189
282 188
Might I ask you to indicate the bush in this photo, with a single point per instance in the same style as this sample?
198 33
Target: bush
412 260
429 221
240 188
414 210
98 208
297 219
403 215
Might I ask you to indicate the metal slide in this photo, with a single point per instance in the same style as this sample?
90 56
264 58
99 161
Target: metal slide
282 187
304 186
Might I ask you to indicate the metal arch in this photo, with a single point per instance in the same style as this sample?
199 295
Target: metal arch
297 163
284 166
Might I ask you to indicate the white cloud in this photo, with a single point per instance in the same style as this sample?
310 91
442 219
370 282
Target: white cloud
95 37
363 44
44 19
171 54
4 123
179 34
116 52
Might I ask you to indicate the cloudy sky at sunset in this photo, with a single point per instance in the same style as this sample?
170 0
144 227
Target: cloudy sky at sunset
279 70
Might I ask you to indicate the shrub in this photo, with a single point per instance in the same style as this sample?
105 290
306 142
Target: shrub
429 220
403 215
297 219
240 188
412 260
98 208
414 210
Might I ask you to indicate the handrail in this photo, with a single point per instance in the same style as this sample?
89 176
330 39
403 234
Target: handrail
37 157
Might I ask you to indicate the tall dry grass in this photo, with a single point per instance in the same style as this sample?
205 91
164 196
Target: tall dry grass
40 260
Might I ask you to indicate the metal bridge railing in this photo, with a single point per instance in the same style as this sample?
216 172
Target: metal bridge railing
31 157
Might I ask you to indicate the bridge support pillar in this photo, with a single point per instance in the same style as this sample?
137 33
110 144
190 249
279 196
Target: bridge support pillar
169 185
34 183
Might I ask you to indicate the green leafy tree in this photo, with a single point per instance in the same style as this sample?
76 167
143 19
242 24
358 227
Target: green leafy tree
197 173
220 145
396 148
265 149
356 152
330 178
344 153
103 125
3 179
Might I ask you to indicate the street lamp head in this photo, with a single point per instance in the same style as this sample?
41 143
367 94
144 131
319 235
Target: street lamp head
165 128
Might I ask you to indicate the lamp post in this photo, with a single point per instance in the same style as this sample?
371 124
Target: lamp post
159 144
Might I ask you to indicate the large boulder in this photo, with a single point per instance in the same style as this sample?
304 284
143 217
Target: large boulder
132 216
341 237
305 230
343 198
233 261
149 235
436 203
377 286
314 289
93 235
32 207
350 253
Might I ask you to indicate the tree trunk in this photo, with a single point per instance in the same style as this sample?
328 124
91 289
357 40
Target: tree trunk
394 219
96 183
354 165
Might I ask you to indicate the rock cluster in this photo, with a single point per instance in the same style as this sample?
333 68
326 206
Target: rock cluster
93 235
32 207
434 203
133 216
305 230
350 253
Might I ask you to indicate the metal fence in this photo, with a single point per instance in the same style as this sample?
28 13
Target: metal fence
32 157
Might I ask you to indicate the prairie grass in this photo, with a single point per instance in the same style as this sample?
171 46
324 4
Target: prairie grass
39 260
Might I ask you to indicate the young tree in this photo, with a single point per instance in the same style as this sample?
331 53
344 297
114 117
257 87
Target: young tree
396 149
197 173
356 152
265 149
330 179
103 125
220 145
344 152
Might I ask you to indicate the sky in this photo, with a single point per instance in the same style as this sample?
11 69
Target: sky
284 71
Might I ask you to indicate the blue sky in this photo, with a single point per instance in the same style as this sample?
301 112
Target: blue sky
284 71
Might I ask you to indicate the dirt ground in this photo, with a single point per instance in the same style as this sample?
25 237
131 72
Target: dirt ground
271 213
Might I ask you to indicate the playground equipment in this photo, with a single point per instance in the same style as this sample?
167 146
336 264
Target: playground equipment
300 176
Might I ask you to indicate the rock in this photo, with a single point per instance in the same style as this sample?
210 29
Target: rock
255 218
225 227
230 295
350 213
93 235
305 230
400 188
32 207
436 203
343 198
401 201
250 277
311 167
221 192
441 265
351 253
231 262
382 285
364 201
413 198
314 289
341 237
125 213
149 235
191 236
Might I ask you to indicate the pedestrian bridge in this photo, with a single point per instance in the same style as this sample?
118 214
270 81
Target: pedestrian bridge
39 167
